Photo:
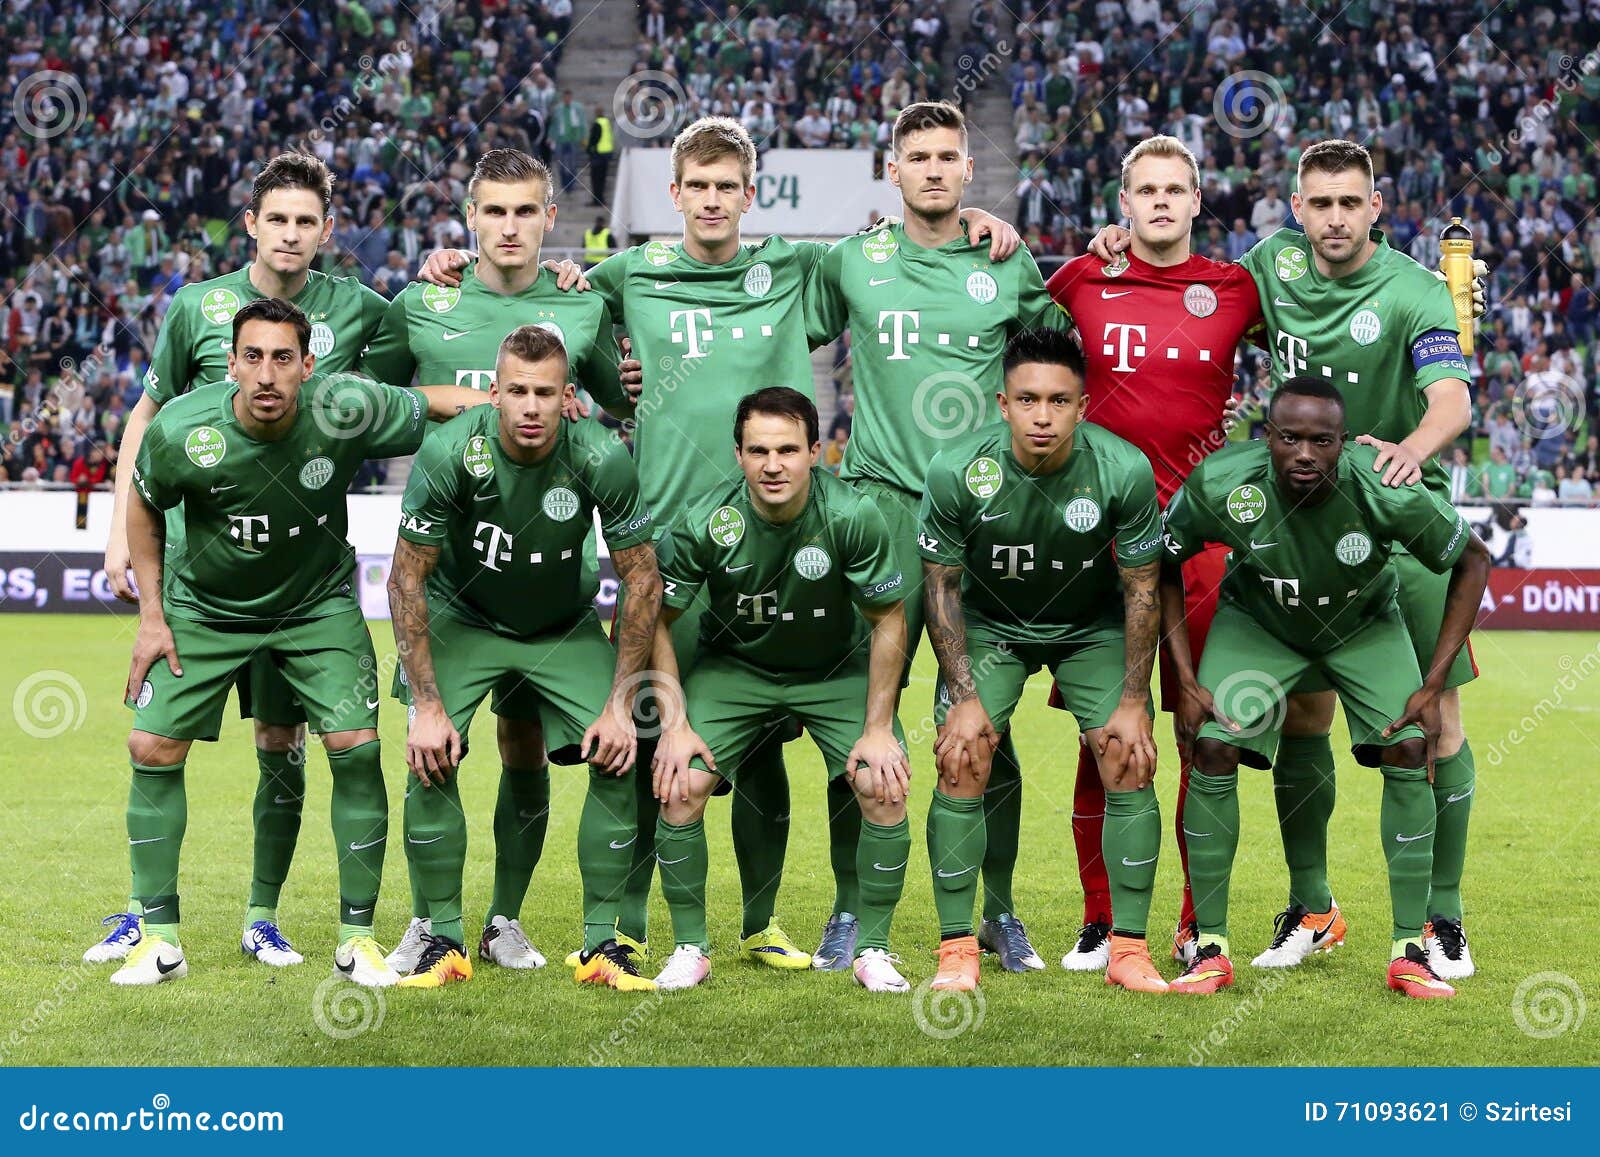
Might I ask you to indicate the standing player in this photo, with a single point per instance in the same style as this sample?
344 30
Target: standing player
260 466
1310 588
1040 542
787 558
440 335
288 219
490 593
1159 327
928 324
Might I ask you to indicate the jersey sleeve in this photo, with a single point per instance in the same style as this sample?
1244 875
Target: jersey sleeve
431 500
388 357
374 306
941 528
398 417
153 468
810 254
681 555
1186 524
607 280
614 484
1036 309
596 370
1061 284
1427 525
869 562
827 312
1435 341
167 376
1138 525
1256 260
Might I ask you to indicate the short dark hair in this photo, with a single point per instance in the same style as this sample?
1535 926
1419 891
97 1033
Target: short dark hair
783 402
293 171
1050 347
1334 156
1304 387
508 166
532 343
924 115
276 311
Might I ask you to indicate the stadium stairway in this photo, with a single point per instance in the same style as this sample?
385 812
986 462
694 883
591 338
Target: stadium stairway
988 108
597 55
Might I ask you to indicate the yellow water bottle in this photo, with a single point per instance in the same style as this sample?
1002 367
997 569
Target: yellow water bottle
1455 243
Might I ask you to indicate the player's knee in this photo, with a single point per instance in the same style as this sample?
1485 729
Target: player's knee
678 812
279 736
156 750
1408 753
1309 713
1451 733
885 814
345 740
521 742
1216 759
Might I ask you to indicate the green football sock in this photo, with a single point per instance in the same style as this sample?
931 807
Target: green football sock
436 840
253 915
158 813
360 811
761 829
1455 779
955 850
280 796
881 857
1304 788
1212 817
1131 844
1406 819
844 837
521 816
633 912
684 861
1002 816
607 832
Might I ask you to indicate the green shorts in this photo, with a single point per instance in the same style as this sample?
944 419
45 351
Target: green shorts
1088 674
732 705
899 510
265 695
564 676
326 664
1250 672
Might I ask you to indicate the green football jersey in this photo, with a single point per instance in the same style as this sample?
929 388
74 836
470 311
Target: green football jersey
451 337
1311 575
928 332
707 335
782 598
1040 552
266 522
192 347
1382 335
511 537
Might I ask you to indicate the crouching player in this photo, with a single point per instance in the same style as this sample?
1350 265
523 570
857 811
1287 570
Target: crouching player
1310 590
488 594
1028 530
787 556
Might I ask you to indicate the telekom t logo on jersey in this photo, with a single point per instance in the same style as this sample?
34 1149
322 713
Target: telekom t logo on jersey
249 531
1292 353
491 549
1018 560
1122 341
759 609
685 329
1285 590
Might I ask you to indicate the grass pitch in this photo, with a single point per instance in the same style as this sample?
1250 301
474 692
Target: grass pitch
1534 720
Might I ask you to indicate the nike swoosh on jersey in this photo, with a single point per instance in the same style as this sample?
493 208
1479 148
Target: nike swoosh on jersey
992 517
220 489
484 497
1107 295
665 284
737 569
1282 304
448 336
1254 545
881 280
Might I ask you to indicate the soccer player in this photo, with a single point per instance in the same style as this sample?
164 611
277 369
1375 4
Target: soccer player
1040 541
786 557
1311 588
928 323
1159 327
710 317
454 335
289 220
260 466
489 592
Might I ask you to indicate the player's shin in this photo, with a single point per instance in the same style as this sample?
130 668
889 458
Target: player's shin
1212 817
436 842
521 816
360 813
158 813
844 833
280 797
881 858
1002 813
1132 846
1454 782
633 912
1406 819
606 837
956 841
761 829
1303 788
681 850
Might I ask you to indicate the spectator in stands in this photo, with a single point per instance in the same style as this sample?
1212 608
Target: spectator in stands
602 146
1575 488
1517 549
1269 213
1499 478
570 133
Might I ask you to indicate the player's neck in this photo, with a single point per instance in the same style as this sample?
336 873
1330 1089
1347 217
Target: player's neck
270 283
931 232
1345 268
718 254
529 456
1038 464
786 513
507 281
1161 256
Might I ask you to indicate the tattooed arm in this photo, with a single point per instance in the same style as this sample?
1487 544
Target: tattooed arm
967 738
612 737
1132 764
433 745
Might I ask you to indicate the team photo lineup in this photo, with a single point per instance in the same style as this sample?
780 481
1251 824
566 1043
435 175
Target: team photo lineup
1204 471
